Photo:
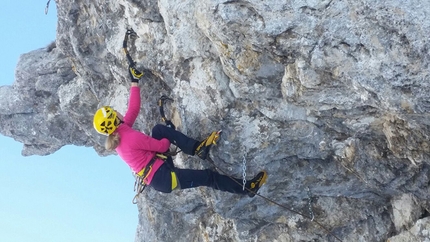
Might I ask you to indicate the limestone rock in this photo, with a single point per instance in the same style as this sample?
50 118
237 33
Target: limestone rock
327 95
405 211
419 232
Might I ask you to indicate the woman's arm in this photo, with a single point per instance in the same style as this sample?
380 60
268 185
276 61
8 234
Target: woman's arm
134 102
133 105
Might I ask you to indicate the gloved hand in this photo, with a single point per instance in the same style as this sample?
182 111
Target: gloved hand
135 74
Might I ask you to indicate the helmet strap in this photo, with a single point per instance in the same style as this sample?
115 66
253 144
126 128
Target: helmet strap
118 121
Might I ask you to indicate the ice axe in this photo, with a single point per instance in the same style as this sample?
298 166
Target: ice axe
161 102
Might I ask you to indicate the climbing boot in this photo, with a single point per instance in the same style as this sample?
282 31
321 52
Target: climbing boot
202 150
255 184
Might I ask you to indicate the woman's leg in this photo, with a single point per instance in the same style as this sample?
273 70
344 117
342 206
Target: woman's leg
185 143
162 180
187 178
194 178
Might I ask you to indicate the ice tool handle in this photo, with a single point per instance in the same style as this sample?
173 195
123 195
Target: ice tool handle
128 33
161 102
135 74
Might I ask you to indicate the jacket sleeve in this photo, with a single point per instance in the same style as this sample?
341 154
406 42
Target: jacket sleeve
133 106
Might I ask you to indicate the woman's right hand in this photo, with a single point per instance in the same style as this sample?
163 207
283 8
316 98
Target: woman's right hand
135 74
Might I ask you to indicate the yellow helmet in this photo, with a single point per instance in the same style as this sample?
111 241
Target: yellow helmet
105 120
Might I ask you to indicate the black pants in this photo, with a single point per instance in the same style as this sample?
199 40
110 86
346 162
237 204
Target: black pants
188 178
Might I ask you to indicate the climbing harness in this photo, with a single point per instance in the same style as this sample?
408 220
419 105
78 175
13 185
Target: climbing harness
131 63
140 183
148 168
47 7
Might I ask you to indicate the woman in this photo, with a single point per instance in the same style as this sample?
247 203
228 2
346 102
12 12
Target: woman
142 152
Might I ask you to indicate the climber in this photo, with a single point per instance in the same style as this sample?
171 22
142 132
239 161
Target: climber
144 154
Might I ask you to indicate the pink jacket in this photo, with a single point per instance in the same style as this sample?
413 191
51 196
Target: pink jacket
137 148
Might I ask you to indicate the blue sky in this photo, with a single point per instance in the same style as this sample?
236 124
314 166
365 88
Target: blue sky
72 195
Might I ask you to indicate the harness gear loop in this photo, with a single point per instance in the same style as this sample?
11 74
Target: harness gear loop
148 168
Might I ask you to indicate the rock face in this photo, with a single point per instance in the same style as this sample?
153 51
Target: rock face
330 96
